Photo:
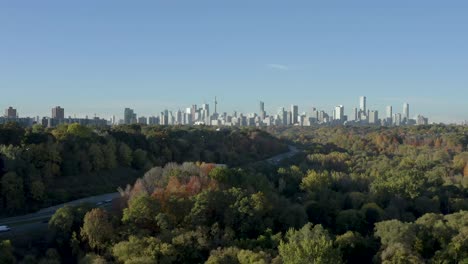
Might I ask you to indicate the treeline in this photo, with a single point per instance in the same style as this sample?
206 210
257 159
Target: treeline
41 167
353 195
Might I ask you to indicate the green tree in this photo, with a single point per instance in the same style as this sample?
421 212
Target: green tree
78 130
397 241
310 244
141 212
61 223
12 191
37 189
251 257
143 250
224 256
124 155
91 258
97 229
96 157
6 252
140 159
355 248
349 220
316 181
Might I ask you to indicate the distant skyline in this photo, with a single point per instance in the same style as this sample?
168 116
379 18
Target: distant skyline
102 56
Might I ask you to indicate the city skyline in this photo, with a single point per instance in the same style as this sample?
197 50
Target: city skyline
96 57
360 114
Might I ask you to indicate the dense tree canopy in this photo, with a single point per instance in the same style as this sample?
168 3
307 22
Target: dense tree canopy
352 194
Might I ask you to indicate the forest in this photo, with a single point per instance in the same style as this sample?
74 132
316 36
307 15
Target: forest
41 167
352 195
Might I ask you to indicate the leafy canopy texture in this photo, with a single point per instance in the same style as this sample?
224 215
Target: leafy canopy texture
311 244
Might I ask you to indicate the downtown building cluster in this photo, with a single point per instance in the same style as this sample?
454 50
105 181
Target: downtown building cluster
195 115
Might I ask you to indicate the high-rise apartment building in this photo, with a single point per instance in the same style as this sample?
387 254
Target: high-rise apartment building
58 113
10 112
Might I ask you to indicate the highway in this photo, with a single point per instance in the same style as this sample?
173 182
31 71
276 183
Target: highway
278 158
24 224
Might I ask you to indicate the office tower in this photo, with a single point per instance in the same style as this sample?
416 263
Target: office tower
355 114
373 117
205 114
289 118
283 116
406 109
323 117
164 118
10 112
339 113
294 114
422 121
389 120
58 113
129 115
389 111
179 116
216 106
152 120
170 118
142 120
194 111
262 110
363 104
397 119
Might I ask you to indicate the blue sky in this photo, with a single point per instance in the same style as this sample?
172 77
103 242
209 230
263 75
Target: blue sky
101 56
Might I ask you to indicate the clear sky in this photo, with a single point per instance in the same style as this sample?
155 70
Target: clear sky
92 56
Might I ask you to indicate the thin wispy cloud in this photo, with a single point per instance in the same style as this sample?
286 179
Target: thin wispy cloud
277 67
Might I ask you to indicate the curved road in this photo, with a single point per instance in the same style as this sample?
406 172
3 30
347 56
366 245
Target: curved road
21 225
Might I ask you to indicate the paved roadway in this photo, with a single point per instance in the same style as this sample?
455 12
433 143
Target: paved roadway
21 225
25 223
278 158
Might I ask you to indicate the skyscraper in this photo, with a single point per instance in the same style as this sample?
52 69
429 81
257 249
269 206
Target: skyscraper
129 116
373 117
389 111
10 112
339 113
294 114
58 113
262 110
406 111
205 113
355 114
363 104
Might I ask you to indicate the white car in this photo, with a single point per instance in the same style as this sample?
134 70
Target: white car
4 228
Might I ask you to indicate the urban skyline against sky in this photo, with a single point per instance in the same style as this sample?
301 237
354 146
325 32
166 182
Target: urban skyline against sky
100 57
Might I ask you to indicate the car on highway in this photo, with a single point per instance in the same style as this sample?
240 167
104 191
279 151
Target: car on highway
104 202
4 228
